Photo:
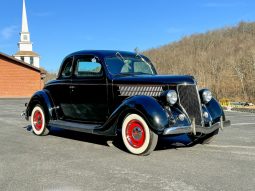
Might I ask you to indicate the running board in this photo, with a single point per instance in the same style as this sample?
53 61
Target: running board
74 126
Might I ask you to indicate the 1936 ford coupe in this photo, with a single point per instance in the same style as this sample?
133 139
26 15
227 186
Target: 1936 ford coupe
120 93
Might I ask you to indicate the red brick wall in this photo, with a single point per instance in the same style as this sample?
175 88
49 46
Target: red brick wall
18 81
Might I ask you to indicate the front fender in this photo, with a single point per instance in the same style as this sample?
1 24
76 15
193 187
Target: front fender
149 108
41 97
215 110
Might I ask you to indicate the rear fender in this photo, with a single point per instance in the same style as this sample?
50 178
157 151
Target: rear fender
41 97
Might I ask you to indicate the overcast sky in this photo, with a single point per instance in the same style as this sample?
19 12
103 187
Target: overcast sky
59 27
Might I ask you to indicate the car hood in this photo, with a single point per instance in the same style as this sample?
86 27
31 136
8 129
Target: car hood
154 79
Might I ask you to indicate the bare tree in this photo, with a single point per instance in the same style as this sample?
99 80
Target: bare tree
223 60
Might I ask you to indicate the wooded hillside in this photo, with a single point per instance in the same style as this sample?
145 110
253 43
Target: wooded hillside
222 60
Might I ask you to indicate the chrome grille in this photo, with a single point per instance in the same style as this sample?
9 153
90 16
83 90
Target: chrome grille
190 101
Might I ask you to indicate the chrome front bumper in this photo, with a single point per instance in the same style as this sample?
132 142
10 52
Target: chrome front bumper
196 128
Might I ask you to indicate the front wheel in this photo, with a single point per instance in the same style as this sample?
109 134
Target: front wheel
137 136
38 121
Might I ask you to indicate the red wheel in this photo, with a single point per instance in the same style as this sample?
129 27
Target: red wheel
137 136
38 121
135 133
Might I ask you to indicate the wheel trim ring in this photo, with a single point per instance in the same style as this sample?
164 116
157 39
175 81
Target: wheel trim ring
38 120
135 134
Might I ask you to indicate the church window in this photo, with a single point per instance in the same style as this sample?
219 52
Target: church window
22 58
32 60
25 37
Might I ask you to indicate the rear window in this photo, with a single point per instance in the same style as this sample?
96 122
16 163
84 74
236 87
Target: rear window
67 71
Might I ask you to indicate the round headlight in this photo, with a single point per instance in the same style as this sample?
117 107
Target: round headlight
171 97
207 96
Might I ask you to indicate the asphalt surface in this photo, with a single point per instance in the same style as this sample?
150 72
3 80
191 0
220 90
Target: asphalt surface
67 160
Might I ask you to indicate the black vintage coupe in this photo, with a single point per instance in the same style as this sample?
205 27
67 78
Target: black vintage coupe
117 93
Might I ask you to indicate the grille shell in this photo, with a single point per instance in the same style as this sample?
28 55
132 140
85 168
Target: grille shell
190 101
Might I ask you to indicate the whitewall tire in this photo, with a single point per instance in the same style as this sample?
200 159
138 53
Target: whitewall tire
38 121
137 136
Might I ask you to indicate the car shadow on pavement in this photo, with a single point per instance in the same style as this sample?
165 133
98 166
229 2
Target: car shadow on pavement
79 136
164 143
74 135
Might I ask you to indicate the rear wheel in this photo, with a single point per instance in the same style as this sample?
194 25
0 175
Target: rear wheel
137 136
38 121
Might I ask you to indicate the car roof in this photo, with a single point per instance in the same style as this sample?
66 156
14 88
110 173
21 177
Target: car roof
102 53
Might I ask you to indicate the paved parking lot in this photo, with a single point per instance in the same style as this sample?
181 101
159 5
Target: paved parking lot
68 160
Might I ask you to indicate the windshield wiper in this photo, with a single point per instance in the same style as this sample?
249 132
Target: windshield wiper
120 56
142 58
137 54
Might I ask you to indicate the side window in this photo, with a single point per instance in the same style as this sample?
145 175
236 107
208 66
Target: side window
142 67
67 71
88 67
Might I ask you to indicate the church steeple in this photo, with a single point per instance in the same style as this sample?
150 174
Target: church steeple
25 52
25 44
24 18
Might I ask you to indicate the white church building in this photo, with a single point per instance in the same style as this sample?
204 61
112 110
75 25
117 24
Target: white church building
25 46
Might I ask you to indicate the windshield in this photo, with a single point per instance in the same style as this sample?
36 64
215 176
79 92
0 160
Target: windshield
131 65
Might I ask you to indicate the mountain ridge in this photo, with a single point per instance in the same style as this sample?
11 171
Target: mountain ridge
222 60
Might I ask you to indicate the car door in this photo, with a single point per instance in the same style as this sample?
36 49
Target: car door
59 90
89 92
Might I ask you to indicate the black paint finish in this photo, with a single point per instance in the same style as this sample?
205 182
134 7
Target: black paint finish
154 79
98 104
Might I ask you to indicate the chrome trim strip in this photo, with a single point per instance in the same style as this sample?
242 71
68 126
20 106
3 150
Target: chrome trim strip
184 111
177 130
201 111
198 128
